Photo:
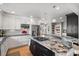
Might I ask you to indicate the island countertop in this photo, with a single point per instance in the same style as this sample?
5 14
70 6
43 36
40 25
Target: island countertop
55 44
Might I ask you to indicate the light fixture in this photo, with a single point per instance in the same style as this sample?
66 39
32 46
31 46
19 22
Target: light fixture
57 8
54 20
13 12
61 17
31 16
31 20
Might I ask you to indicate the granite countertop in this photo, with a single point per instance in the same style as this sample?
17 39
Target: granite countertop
14 32
8 35
54 44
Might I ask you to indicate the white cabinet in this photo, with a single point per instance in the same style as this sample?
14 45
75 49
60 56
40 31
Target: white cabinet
8 21
17 41
12 42
11 21
0 20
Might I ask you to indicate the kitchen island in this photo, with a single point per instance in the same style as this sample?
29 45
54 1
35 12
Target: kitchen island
54 46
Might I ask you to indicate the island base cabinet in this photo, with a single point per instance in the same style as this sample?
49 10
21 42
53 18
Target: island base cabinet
33 47
39 50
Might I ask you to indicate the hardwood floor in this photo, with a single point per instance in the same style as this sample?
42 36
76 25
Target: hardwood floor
19 51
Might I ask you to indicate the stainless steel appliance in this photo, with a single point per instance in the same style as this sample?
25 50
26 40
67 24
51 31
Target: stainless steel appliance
35 30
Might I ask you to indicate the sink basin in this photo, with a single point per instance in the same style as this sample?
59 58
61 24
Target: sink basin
41 38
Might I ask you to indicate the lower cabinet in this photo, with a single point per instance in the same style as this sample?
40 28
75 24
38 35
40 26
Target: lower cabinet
39 50
33 47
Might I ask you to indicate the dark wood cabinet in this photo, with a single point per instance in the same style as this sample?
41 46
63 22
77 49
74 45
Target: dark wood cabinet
39 50
33 47
72 25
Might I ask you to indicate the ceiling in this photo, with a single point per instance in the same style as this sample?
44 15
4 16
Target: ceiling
40 9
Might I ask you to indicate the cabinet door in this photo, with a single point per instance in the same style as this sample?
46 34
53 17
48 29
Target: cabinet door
39 50
72 25
33 47
43 51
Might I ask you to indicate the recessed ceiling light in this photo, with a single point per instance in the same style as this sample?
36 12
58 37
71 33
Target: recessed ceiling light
13 12
61 17
57 7
32 21
54 20
31 16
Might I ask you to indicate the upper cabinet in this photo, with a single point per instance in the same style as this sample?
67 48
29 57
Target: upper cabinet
8 21
0 20
72 25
